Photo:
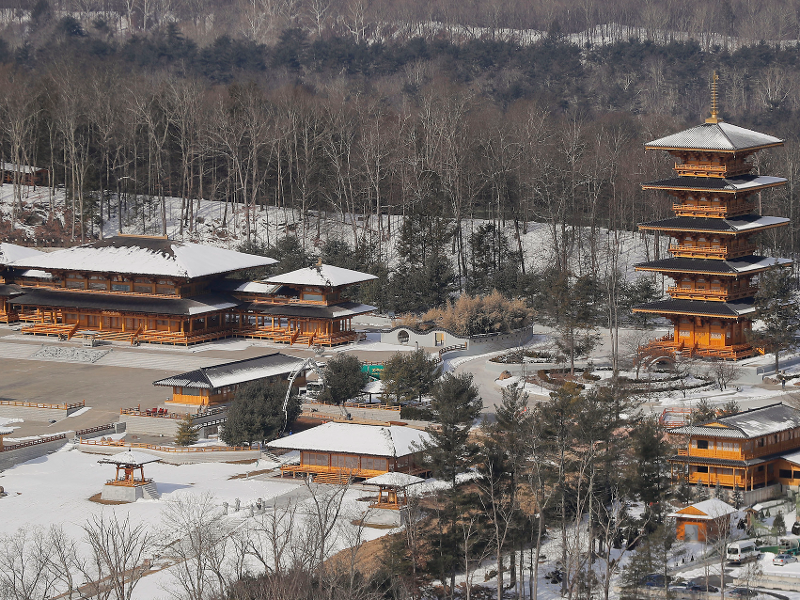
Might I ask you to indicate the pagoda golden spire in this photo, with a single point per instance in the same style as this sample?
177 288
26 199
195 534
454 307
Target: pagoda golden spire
714 118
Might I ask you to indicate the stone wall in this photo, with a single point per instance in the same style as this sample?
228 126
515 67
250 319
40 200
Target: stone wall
177 457
9 458
30 413
161 425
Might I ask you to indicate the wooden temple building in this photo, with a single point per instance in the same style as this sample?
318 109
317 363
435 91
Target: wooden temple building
23 174
152 289
215 385
748 450
712 259
10 253
703 521
336 452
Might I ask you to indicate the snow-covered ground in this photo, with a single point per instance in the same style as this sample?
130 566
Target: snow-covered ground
55 489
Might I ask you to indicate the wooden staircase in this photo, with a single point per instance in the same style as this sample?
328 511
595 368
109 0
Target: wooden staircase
62 330
332 478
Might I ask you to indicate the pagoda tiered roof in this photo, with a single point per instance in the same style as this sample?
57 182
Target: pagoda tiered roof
145 255
725 310
717 137
740 183
731 225
731 267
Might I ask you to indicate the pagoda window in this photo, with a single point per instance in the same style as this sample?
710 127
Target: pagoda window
686 284
702 469
701 284
76 284
165 290
95 283
121 287
701 242
143 289
312 297
715 284
702 444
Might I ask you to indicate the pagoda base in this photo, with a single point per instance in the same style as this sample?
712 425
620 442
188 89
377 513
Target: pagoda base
667 346
130 493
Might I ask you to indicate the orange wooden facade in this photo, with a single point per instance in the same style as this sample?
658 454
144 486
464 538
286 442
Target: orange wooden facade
745 462
336 467
707 194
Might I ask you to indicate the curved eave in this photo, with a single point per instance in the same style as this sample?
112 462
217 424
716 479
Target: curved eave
748 231
677 271
691 313
690 188
748 150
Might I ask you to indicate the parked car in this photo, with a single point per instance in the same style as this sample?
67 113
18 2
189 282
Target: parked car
783 559
742 593
655 580
694 586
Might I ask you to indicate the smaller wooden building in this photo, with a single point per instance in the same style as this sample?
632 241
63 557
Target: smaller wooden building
23 174
10 253
703 520
336 452
126 486
210 386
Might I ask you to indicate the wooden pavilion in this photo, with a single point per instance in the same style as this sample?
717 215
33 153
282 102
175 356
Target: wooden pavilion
748 450
336 452
307 306
392 489
712 260
126 486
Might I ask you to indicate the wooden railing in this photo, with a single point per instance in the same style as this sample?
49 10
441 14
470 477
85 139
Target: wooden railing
128 482
316 469
689 293
82 432
709 252
173 449
452 348
711 453
395 407
64 406
25 444
137 412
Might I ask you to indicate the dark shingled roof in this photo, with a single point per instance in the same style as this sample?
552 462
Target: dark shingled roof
744 223
746 183
747 264
234 373
127 304
747 424
698 307
337 311
9 290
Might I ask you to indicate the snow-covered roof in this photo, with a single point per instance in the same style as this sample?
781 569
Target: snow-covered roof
715 136
7 166
712 508
6 430
129 457
10 253
234 373
395 479
373 387
145 255
371 440
322 276
792 457
752 423
739 183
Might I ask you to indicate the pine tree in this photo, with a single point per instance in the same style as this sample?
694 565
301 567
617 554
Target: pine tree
256 413
187 433
700 492
778 524
409 376
737 496
718 491
343 379
777 306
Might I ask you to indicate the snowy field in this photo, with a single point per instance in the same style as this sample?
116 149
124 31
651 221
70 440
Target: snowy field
55 489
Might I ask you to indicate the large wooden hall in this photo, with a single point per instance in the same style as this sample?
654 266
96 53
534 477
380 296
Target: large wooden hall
152 289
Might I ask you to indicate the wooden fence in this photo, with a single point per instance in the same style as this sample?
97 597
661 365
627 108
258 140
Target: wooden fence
25 444
64 406
157 448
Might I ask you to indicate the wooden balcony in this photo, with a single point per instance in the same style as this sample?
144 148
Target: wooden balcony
711 453
714 295
719 253
729 210
316 471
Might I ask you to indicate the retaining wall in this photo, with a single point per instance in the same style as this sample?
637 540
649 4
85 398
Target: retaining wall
477 344
29 413
9 458
161 425
177 457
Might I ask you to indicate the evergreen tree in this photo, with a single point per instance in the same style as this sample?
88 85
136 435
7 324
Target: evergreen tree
779 311
409 376
718 493
187 433
650 480
256 413
779 524
343 379
700 492
737 498
574 307
703 412
456 405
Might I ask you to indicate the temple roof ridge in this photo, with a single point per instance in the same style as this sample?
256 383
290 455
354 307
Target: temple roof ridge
723 137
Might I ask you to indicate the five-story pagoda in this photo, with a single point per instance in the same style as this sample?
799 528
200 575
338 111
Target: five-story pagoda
712 257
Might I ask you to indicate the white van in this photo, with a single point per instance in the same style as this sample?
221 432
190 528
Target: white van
312 389
742 551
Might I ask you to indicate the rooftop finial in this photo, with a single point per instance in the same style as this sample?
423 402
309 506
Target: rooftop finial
714 118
